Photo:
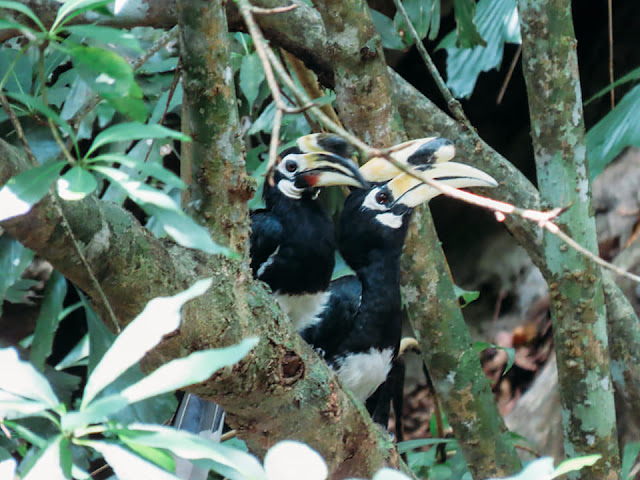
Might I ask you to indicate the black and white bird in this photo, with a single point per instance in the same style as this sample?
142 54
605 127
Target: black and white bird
359 332
293 239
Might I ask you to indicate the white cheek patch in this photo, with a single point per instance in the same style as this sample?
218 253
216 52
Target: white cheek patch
289 189
390 220
370 201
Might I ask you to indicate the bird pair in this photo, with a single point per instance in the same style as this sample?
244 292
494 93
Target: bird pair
354 321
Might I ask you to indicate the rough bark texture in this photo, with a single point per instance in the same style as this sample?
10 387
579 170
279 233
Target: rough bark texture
280 390
453 364
551 73
213 164
362 85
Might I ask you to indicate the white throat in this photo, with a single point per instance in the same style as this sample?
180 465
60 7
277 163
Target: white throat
289 189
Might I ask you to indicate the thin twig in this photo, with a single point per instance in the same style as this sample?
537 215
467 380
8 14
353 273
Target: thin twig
272 11
454 105
18 128
512 67
610 15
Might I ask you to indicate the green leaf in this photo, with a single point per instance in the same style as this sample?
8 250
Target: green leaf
251 77
617 130
194 447
629 456
134 131
37 105
151 169
425 17
98 411
498 23
24 9
78 356
160 317
76 184
23 191
467 296
385 27
127 465
14 259
409 445
632 75
48 319
18 70
20 378
15 406
9 25
574 464
76 7
467 35
49 463
20 291
132 106
107 35
194 368
159 457
186 232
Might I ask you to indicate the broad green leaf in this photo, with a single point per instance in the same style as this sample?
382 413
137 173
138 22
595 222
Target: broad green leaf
467 296
289 460
14 259
78 95
78 356
48 319
107 35
127 465
409 445
158 457
24 9
132 106
37 105
23 191
497 22
98 411
76 184
629 456
186 232
425 17
105 71
194 447
574 464
20 291
16 70
194 368
632 75
15 406
251 77
71 6
467 35
390 474
160 317
134 131
49 464
20 378
151 169
617 130
9 25
385 27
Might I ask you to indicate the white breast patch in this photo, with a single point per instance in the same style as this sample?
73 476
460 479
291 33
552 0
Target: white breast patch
364 372
303 310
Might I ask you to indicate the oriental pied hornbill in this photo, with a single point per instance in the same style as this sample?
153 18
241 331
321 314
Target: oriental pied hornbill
292 238
359 331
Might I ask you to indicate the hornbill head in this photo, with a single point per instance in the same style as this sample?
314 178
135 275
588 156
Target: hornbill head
318 160
379 216
420 153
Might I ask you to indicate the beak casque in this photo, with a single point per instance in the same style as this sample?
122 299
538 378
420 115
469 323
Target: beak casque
412 192
325 169
325 142
421 153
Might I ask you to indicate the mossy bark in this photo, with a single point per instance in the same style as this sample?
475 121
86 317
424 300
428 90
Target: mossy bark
213 163
281 390
550 68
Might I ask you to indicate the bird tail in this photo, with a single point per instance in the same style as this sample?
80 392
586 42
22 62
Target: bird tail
203 418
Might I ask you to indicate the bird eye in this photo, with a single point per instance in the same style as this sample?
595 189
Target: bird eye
382 198
291 166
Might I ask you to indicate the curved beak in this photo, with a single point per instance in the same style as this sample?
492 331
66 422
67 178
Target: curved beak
325 169
421 153
326 142
412 192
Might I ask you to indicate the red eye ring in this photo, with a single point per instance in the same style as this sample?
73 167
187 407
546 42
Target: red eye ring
382 198
290 166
